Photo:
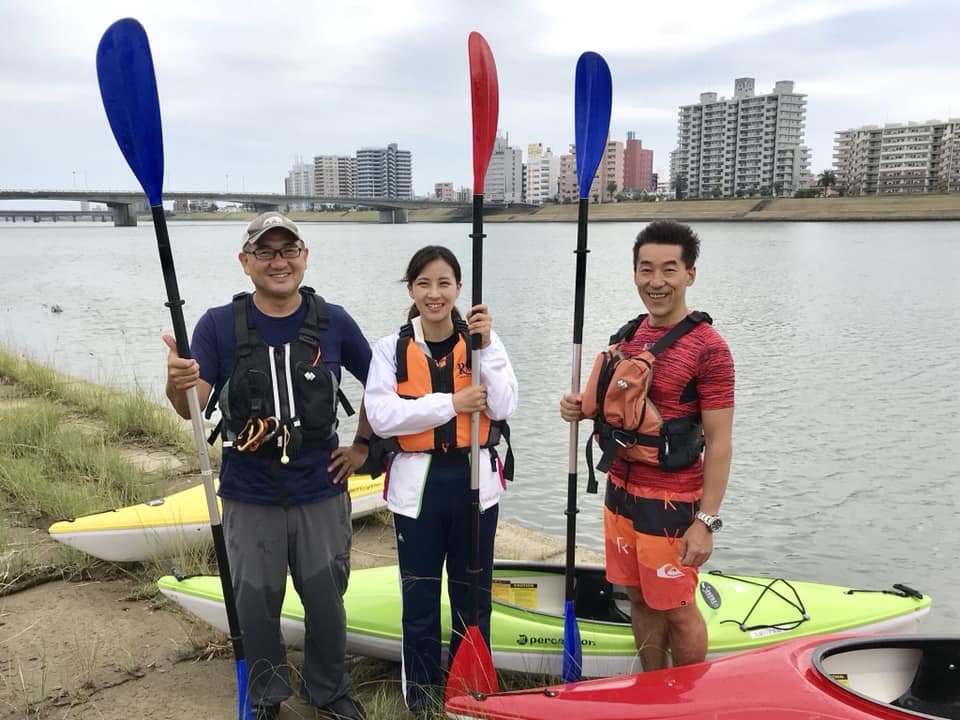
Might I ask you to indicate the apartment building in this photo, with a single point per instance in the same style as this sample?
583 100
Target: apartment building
637 165
299 181
444 191
743 145
384 172
949 176
503 182
335 176
609 175
542 174
898 158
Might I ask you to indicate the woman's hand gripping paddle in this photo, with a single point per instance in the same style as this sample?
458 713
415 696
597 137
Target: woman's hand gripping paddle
593 99
471 670
128 87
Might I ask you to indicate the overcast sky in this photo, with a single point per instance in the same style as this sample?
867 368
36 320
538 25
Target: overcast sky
245 91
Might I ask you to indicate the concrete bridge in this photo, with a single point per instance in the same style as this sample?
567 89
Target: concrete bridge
123 205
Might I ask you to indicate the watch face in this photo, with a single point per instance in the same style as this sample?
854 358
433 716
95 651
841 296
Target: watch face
711 521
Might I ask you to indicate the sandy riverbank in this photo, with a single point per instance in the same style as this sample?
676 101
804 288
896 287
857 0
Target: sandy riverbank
82 639
88 649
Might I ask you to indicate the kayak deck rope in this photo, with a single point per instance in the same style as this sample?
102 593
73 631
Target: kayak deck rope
796 602
899 589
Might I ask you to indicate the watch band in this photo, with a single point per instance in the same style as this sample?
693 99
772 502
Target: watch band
713 522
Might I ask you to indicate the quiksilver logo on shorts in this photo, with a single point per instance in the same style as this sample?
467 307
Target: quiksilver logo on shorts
669 571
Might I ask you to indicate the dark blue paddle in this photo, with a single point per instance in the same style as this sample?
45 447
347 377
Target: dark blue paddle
593 100
128 87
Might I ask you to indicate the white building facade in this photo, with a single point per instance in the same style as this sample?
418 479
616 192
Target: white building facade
543 172
299 181
384 172
745 145
898 158
503 182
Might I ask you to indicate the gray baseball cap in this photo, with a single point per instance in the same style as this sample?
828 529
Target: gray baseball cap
268 221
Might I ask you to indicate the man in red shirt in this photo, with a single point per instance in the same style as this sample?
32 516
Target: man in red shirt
659 523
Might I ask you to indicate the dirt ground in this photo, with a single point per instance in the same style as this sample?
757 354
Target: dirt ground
85 650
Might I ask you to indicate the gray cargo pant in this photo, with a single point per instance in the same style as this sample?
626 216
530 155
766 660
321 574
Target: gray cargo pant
314 541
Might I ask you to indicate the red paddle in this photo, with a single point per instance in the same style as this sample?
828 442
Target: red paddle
472 668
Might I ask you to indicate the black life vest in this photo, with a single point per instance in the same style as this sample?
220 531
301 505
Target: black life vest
279 399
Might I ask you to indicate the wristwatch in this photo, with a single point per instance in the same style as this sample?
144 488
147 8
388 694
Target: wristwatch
713 522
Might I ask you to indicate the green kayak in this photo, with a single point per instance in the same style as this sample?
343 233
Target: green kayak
742 612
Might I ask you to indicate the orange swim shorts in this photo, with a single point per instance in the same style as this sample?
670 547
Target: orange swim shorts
642 528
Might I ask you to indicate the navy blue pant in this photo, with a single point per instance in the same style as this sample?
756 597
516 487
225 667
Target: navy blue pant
441 532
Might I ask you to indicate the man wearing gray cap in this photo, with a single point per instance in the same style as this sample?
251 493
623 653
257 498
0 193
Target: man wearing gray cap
272 361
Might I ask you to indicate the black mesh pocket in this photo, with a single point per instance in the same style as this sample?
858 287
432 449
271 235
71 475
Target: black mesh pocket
315 393
681 443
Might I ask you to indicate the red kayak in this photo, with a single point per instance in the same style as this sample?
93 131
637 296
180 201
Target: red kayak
841 677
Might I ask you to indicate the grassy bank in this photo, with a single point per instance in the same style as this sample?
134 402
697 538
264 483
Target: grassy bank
838 209
86 638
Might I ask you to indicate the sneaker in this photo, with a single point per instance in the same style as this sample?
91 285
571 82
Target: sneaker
343 708
266 712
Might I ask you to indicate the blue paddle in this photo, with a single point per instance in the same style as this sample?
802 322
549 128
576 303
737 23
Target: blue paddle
593 99
128 87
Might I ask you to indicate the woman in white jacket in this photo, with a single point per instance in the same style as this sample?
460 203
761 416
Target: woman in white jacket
419 396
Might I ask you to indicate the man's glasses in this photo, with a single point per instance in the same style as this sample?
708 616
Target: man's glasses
290 252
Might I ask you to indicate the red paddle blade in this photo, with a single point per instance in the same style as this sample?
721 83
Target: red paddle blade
485 100
472 668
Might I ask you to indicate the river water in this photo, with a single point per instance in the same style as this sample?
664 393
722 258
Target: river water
845 436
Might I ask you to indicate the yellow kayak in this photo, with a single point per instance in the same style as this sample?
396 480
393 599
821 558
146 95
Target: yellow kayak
157 528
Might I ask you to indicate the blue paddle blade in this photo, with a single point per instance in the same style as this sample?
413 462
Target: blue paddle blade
593 99
572 652
128 87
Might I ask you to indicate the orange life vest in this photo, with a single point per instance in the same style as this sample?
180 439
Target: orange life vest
419 375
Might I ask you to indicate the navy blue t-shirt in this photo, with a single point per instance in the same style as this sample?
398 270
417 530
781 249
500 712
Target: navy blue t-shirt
258 477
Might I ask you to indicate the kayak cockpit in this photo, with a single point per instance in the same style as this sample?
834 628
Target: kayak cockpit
916 675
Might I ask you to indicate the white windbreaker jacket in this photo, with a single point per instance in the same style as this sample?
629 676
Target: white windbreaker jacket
391 416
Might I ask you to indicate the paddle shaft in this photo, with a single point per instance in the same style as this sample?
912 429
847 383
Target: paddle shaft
578 303
175 303
477 286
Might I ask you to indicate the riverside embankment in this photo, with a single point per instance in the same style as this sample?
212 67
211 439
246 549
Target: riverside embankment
831 209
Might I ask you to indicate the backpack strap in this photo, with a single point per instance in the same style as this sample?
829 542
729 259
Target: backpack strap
242 324
404 339
460 326
315 323
317 319
679 330
627 331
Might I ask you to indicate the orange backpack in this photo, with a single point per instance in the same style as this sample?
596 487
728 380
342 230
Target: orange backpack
626 423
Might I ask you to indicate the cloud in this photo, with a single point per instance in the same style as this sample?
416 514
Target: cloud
246 90
695 25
